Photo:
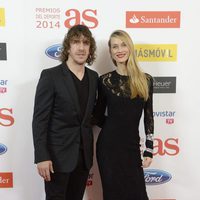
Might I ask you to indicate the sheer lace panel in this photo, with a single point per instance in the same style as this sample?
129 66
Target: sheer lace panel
117 84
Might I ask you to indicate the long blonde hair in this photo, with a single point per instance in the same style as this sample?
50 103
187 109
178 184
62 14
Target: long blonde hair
138 80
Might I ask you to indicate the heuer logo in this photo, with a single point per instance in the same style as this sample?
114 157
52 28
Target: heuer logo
2 17
54 51
6 180
156 176
3 149
153 19
3 53
164 85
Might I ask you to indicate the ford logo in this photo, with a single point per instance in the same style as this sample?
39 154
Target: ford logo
156 176
54 51
3 149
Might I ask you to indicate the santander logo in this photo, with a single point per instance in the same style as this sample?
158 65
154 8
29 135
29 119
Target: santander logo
153 19
134 20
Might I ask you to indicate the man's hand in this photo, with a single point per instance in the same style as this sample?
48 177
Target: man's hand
146 162
44 169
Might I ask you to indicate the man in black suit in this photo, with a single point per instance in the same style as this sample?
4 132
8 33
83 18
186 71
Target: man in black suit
62 133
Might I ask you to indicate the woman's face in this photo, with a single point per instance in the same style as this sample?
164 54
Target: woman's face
119 50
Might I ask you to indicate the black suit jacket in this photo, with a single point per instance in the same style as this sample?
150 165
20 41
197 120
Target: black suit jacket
57 127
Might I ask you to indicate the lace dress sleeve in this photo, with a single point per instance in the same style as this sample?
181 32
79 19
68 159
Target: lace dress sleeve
149 121
98 117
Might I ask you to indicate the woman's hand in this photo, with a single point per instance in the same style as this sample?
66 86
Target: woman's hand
146 162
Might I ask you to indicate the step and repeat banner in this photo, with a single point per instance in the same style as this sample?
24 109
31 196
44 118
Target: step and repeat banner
166 38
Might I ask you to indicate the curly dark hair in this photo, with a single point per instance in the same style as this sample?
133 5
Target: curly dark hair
78 31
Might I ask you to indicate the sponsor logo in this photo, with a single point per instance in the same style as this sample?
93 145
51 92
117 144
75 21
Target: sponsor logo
156 52
2 17
86 17
6 180
168 115
47 13
3 53
54 51
164 85
6 118
153 19
47 18
3 84
156 176
169 121
3 149
90 180
164 114
167 147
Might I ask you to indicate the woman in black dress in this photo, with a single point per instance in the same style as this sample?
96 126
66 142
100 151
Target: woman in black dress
126 93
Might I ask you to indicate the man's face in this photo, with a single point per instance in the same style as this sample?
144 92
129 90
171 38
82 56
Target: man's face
79 50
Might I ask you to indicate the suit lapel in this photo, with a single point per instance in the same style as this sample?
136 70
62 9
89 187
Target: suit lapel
91 93
69 83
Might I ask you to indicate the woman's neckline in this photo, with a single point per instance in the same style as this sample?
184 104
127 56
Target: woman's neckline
123 75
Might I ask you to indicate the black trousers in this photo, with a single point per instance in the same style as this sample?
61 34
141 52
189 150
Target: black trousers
68 186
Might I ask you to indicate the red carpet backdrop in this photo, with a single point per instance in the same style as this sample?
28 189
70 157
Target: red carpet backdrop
166 37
